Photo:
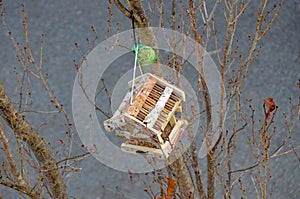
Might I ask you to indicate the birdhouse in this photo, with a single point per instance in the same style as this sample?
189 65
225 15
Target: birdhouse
148 121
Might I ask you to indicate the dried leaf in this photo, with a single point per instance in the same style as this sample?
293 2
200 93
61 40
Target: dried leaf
171 186
270 104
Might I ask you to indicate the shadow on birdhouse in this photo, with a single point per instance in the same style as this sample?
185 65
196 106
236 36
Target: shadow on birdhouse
148 122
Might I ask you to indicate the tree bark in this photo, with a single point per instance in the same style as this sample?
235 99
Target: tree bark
146 32
35 142
184 179
19 183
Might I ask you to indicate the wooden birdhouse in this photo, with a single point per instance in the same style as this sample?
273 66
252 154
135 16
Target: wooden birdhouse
148 121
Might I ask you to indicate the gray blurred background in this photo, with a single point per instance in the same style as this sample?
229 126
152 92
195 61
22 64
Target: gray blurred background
274 73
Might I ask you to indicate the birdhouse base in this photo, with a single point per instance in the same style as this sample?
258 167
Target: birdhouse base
164 149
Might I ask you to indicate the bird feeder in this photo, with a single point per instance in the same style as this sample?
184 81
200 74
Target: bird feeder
148 122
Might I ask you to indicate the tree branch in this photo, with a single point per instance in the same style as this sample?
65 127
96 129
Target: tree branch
36 143
122 8
22 186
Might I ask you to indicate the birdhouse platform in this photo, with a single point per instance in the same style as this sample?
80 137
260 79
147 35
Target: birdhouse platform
148 122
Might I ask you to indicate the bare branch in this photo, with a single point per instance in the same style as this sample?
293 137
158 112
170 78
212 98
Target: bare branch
122 8
39 147
21 185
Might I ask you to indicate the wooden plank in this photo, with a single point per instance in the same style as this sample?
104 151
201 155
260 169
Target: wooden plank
177 91
173 120
154 113
158 134
170 114
141 97
114 122
136 149
141 150
177 131
134 120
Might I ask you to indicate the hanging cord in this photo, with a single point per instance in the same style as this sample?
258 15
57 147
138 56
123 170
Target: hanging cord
133 78
133 29
136 47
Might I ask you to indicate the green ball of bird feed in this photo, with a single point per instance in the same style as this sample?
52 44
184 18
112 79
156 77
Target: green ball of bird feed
146 55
